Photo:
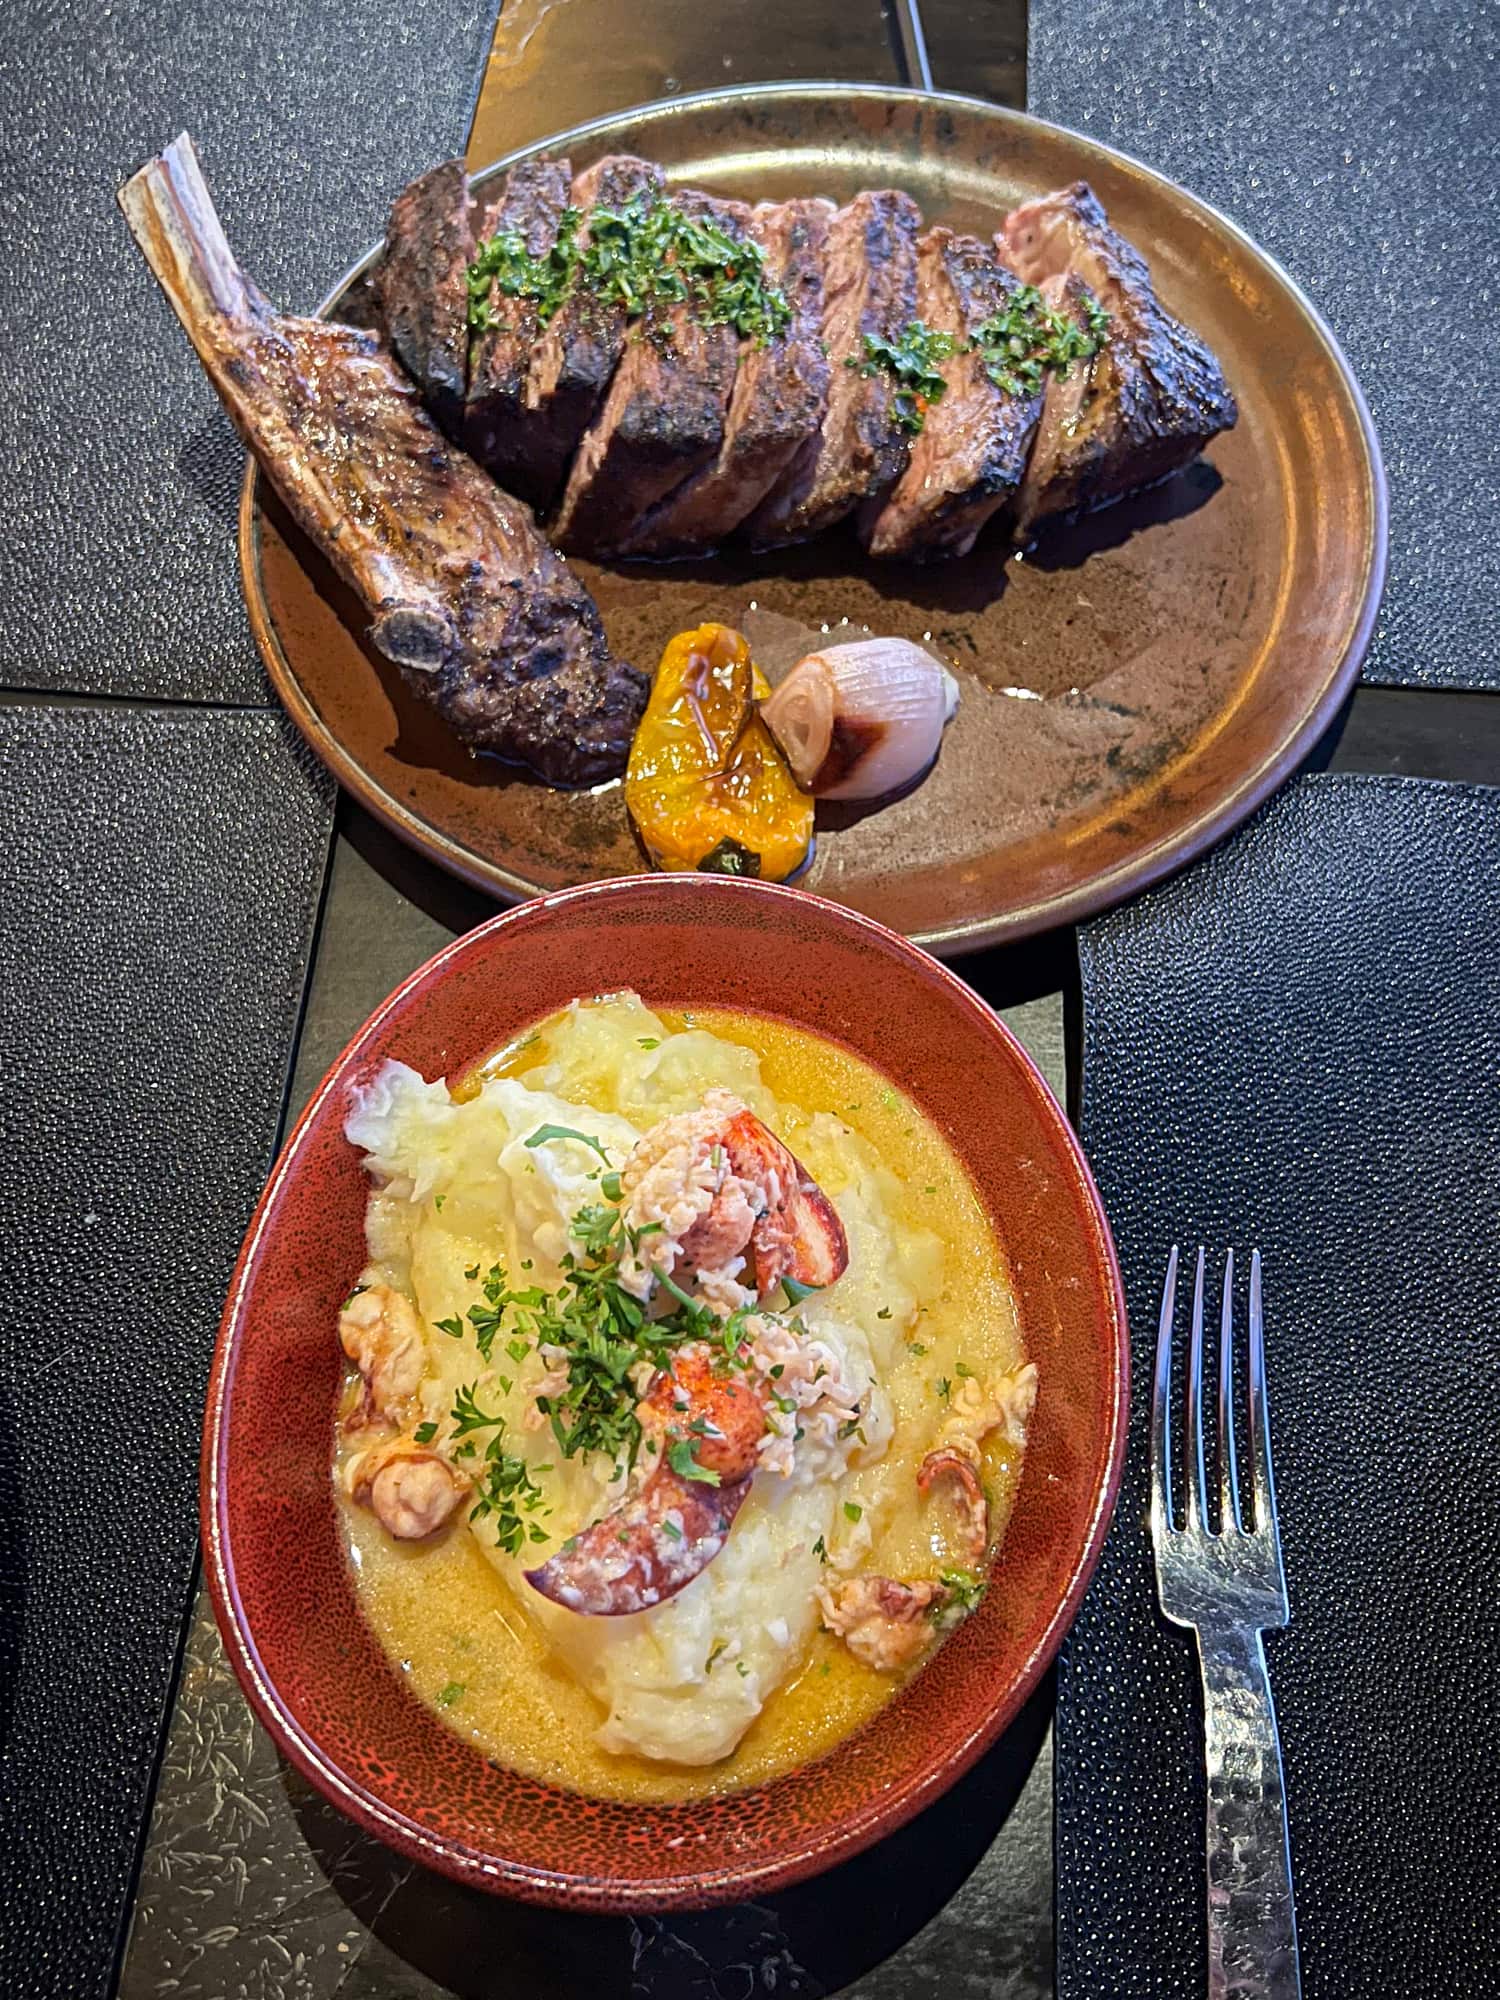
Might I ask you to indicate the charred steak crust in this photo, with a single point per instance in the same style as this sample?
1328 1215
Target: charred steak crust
499 430
423 292
779 396
479 613
481 616
573 362
870 287
1148 401
970 455
663 418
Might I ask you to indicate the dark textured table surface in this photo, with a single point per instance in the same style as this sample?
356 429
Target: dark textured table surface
1310 1025
248 1887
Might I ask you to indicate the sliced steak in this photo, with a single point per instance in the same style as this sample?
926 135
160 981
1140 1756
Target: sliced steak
780 392
970 454
662 420
870 287
499 430
423 290
575 358
482 619
1150 398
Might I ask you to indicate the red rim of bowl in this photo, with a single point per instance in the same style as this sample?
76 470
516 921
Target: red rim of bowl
876 1817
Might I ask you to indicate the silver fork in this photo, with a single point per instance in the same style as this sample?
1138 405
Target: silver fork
1229 1588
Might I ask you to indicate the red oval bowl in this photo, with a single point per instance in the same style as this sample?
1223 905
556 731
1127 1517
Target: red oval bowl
276 1565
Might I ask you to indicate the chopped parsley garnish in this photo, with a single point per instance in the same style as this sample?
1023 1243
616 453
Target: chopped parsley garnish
468 1416
600 1331
438 1200
1029 339
911 360
853 1511
648 1041
915 1347
884 1313
742 1670
669 1527
719 1646
680 1458
425 1433
963 1369
545 1132
944 1387
453 1692
820 1550
965 1593
504 1486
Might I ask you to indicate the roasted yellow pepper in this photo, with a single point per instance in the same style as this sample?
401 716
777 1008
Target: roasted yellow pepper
706 782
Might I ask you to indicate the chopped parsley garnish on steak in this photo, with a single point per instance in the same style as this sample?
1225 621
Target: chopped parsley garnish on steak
1022 345
911 360
647 255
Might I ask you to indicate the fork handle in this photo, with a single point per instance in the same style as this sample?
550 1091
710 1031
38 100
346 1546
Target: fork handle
1252 1927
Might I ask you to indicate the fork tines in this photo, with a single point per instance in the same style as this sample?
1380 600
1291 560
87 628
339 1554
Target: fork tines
1249 1539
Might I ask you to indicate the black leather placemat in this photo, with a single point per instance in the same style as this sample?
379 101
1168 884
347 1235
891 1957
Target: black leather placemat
159 882
117 510
1345 140
1297 1045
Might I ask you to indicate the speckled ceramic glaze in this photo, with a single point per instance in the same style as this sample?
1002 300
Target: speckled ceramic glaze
1131 689
275 1559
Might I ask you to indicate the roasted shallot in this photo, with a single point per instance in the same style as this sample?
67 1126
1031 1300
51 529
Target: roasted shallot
862 720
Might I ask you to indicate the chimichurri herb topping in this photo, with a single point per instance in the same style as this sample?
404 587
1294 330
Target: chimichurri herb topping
911 360
1021 345
648 254
504 263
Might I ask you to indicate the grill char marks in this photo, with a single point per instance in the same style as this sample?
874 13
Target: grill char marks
970 455
575 358
423 291
483 620
662 420
869 266
779 395
509 440
1148 401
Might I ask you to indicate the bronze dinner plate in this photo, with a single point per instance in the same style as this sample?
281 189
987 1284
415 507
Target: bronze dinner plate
1132 687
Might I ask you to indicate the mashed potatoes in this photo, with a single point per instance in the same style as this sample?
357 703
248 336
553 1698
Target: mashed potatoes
497 1172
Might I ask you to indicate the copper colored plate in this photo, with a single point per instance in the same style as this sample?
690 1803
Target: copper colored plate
1131 689
339 1709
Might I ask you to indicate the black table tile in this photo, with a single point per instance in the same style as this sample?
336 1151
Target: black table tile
1350 141
117 553
160 874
